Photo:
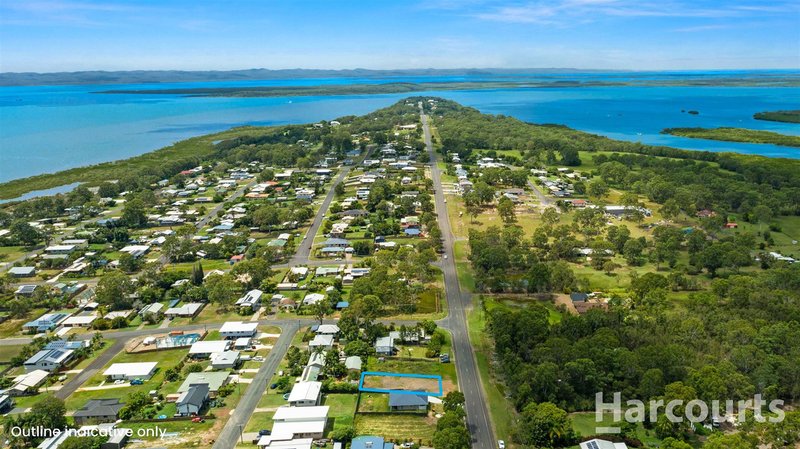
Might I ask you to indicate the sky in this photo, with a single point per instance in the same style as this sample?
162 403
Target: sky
75 35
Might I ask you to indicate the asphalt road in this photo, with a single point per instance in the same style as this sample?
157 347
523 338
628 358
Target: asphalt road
98 363
231 433
303 252
469 381
544 200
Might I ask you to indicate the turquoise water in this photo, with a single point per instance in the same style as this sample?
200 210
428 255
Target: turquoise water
49 128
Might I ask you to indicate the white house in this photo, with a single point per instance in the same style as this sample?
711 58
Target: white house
602 444
224 360
305 394
48 360
313 298
327 329
204 349
251 299
300 422
321 341
131 371
238 329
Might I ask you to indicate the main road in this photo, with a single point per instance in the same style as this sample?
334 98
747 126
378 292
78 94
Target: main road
469 380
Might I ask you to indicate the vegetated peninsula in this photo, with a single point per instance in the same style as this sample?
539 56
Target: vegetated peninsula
736 135
779 116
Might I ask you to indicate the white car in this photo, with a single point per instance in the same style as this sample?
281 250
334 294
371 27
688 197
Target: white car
501 444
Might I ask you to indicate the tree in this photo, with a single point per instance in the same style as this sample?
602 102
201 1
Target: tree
597 188
452 438
339 189
321 308
453 400
114 290
197 274
545 425
505 207
730 441
343 434
473 204
26 233
672 443
222 290
87 442
551 216
252 272
133 214
762 214
128 263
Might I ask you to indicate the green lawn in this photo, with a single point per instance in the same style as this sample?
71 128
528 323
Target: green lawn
501 412
8 352
397 427
585 424
342 409
13 327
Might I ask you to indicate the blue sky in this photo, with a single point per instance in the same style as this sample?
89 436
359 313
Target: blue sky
68 35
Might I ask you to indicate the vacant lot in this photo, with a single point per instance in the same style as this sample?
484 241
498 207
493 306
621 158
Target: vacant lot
397 427
389 382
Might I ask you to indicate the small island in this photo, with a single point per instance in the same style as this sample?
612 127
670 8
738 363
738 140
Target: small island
779 116
736 135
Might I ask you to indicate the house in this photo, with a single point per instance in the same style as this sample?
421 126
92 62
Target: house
578 297
316 359
251 300
305 394
313 298
79 321
242 343
602 444
238 329
119 314
353 363
60 249
48 360
336 243
136 251
321 341
98 411
298 273
300 422
214 379
6 403
370 442
204 349
131 371
225 360
191 401
67 344
283 442
384 346
404 402
26 290
412 232
45 322
327 329
326 271
118 438
189 310
28 382
153 310
22 272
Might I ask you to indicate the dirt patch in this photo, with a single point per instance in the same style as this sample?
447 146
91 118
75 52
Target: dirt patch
563 300
401 383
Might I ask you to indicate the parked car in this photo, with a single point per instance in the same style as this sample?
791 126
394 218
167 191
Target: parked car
198 419
137 382
501 444
263 432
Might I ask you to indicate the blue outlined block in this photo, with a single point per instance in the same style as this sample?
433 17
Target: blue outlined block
436 377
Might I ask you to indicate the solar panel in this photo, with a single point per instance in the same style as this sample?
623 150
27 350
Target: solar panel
593 445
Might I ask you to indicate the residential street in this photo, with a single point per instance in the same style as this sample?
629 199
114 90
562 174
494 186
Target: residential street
456 322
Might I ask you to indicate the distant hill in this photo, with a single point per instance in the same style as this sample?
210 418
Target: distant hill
177 76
